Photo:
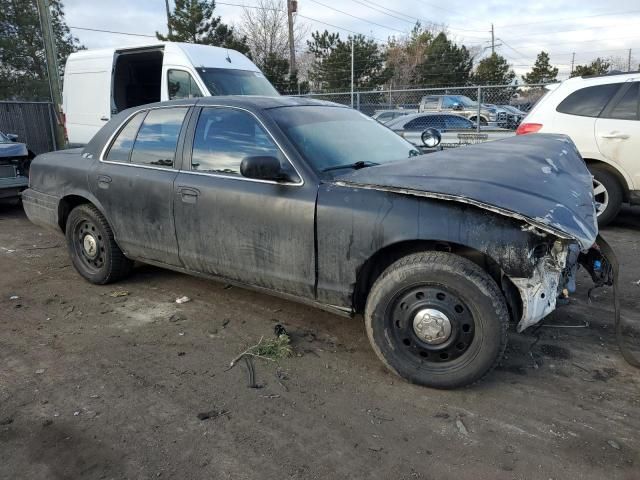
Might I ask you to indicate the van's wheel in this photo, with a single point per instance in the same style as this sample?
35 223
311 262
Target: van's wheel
607 193
93 249
437 319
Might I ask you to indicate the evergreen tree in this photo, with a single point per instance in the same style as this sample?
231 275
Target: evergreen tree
542 71
193 21
331 69
599 66
493 70
23 71
444 63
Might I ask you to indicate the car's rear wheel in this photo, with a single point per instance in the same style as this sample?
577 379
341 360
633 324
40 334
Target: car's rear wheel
437 319
607 193
483 122
93 249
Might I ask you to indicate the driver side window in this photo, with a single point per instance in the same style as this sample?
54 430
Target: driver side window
224 136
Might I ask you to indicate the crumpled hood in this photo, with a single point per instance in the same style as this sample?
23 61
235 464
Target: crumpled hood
539 178
13 149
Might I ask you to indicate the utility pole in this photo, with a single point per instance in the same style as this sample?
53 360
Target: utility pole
629 62
166 4
51 57
493 41
351 72
292 7
573 60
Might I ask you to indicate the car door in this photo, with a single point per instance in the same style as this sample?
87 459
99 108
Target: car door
253 231
576 116
617 131
134 184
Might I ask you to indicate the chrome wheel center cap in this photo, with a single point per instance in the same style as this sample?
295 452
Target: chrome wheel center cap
90 246
432 326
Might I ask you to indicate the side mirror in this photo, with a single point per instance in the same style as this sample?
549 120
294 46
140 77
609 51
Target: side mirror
457 106
431 138
262 168
12 136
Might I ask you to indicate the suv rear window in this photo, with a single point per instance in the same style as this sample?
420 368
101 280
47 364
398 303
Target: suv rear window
589 101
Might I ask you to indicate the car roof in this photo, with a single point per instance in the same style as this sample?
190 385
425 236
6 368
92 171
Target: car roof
252 103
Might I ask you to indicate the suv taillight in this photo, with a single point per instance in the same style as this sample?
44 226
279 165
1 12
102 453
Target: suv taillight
525 128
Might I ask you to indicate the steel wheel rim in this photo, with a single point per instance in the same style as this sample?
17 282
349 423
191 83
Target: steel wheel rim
89 245
414 345
600 196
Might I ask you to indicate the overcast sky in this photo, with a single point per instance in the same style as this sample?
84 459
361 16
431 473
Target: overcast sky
589 28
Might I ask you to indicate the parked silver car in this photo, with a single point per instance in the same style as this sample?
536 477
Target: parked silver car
455 130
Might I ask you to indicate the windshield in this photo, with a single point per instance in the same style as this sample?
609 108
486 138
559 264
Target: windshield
464 101
4 138
227 81
330 137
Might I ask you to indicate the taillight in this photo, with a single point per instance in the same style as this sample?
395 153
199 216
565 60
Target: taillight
525 128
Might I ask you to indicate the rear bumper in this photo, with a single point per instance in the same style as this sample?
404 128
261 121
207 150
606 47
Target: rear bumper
41 208
634 197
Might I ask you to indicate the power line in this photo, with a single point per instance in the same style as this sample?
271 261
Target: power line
112 31
358 18
567 18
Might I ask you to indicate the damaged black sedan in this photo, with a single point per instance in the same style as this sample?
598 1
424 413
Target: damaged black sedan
316 202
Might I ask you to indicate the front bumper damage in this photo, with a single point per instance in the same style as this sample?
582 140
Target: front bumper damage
554 277
539 292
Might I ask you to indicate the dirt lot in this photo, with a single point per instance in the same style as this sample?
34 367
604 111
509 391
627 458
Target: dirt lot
100 386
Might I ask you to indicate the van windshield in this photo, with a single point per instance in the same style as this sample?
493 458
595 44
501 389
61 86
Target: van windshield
227 81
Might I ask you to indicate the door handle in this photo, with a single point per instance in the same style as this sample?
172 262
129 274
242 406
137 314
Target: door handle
621 136
189 194
104 181
104 118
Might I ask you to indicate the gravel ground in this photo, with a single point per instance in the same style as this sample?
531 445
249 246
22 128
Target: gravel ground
97 385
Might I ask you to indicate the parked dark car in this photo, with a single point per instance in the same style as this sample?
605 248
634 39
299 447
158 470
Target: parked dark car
14 166
319 203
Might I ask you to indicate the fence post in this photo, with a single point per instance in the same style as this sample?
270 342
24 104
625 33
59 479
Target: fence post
358 101
478 115
52 126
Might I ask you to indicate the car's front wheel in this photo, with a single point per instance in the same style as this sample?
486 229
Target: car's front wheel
437 319
92 246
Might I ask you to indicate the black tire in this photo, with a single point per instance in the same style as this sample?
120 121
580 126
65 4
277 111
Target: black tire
103 262
615 196
457 287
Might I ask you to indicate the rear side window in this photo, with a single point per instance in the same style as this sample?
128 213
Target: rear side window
427 121
458 122
225 136
121 146
158 137
182 85
430 102
589 101
627 107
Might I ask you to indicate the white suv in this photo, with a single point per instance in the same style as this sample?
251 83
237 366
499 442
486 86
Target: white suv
601 116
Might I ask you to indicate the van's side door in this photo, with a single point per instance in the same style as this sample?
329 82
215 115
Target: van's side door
134 183
253 231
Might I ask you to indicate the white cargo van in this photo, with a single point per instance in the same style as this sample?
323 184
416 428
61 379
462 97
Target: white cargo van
101 83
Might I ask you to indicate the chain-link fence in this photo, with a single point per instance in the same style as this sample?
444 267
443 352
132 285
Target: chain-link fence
462 115
33 122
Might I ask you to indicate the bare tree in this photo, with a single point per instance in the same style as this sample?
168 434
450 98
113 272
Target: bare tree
265 27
